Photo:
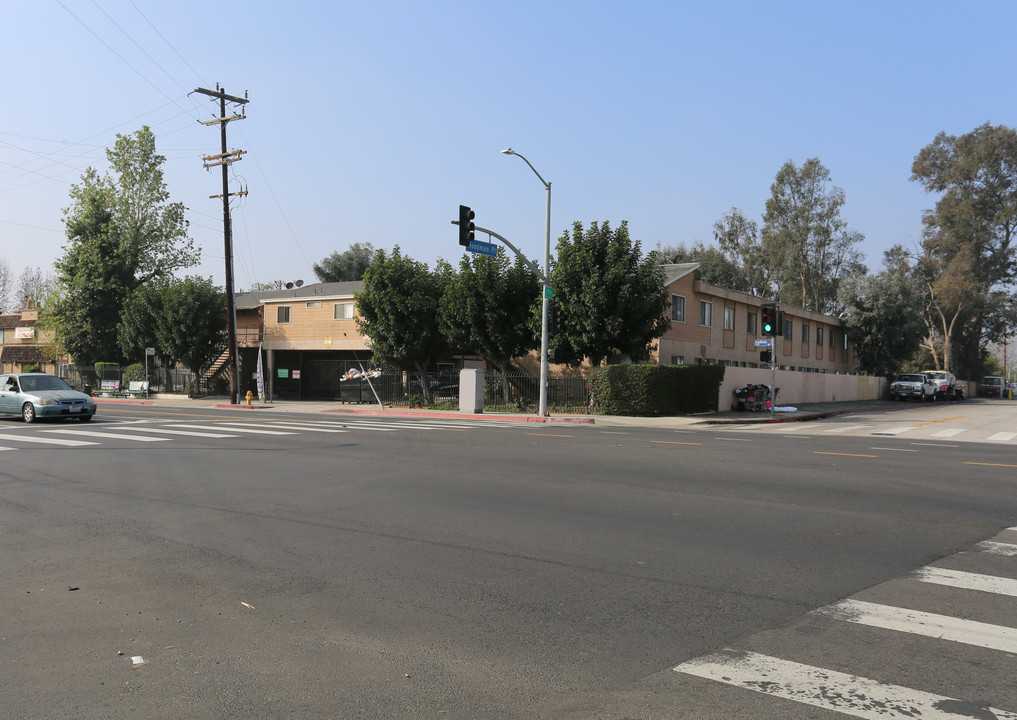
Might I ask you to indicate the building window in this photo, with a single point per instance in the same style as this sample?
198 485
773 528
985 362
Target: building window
750 323
313 304
845 342
677 308
343 311
283 315
729 313
819 336
787 328
831 337
805 334
705 313
677 359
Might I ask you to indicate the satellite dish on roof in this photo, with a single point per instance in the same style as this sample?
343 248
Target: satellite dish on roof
289 286
299 283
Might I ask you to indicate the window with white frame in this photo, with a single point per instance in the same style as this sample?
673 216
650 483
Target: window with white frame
729 315
313 304
705 313
677 308
282 314
343 311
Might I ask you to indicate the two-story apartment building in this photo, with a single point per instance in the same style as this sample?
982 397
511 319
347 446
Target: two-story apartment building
711 324
23 341
308 336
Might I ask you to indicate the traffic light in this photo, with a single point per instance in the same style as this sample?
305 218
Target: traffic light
466 226
766 356
554 318
768 319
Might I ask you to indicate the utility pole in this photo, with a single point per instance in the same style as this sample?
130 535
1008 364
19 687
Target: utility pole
225 159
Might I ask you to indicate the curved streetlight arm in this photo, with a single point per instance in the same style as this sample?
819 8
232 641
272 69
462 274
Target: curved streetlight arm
510 151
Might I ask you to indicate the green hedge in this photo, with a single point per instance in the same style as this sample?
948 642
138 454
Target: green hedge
654 390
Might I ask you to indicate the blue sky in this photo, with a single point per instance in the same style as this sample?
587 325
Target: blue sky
372 122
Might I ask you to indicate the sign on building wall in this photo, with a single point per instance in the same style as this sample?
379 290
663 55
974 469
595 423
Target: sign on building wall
24 333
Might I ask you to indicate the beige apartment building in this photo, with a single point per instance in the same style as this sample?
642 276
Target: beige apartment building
711 324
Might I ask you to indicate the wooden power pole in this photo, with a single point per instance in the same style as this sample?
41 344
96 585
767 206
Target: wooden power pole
225 159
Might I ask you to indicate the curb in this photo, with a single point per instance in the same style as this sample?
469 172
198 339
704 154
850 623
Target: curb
460 416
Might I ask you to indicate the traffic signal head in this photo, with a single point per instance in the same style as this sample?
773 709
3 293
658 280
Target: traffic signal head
466 226
768 319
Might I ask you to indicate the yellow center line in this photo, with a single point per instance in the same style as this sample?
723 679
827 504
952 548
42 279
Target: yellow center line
990 464
672 442
933 422
549 435
817 452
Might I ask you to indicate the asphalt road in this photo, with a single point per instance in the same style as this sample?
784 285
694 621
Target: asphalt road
320 566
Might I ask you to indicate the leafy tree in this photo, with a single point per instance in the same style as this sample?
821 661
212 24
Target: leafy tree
122 232
398 309
883 317
804 238
486 309
184 320
715 267
347 265
613 298
263 286
738 239
968 241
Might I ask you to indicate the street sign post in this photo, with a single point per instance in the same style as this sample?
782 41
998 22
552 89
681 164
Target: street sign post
766 342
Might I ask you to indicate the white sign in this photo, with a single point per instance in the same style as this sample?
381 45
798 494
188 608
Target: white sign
24 333
765 342
150 351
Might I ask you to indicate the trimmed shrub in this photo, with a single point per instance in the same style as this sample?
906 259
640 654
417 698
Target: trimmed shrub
135 371
655 390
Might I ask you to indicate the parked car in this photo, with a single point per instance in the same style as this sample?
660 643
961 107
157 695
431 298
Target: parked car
40 395
915 386
991 386
947 387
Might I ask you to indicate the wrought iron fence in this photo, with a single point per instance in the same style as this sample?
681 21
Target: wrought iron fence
161 379
520 392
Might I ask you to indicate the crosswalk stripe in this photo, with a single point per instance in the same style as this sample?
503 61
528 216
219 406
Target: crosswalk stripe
846 694
101 434
152 428
236 429
916 622
998 548
894 431
49 441
359 426
308 428
1002 437
967 580
846 428
948 433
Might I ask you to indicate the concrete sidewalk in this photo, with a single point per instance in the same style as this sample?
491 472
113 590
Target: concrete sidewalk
811 411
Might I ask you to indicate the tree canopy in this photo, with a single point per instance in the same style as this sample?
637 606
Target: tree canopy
347 265
612 297
121 232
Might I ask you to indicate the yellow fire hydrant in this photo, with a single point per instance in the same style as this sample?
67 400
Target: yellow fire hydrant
250 397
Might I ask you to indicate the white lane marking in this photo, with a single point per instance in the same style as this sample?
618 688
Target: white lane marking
1002 437
48 441
967 580
361 426
240 430
842 693
152 428
308 428
998 548
916 622
102 434
846 428
893 431
893 449
948 433
5 448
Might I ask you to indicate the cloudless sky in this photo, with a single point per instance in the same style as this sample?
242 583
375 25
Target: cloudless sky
372 121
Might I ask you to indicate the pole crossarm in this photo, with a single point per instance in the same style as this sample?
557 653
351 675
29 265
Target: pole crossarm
529 263
221 95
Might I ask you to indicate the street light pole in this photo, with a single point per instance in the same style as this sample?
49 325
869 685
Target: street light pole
542 411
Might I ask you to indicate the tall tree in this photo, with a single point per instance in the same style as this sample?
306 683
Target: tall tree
804 238
738 239
968 242
347 265
612 297
7 303
715 267
398 309
883 316
486 309
36 284
121 232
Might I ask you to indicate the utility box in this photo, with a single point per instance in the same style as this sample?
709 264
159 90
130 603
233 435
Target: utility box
471 390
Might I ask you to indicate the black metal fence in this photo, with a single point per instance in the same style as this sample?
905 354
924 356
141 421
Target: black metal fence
103 377
520 392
